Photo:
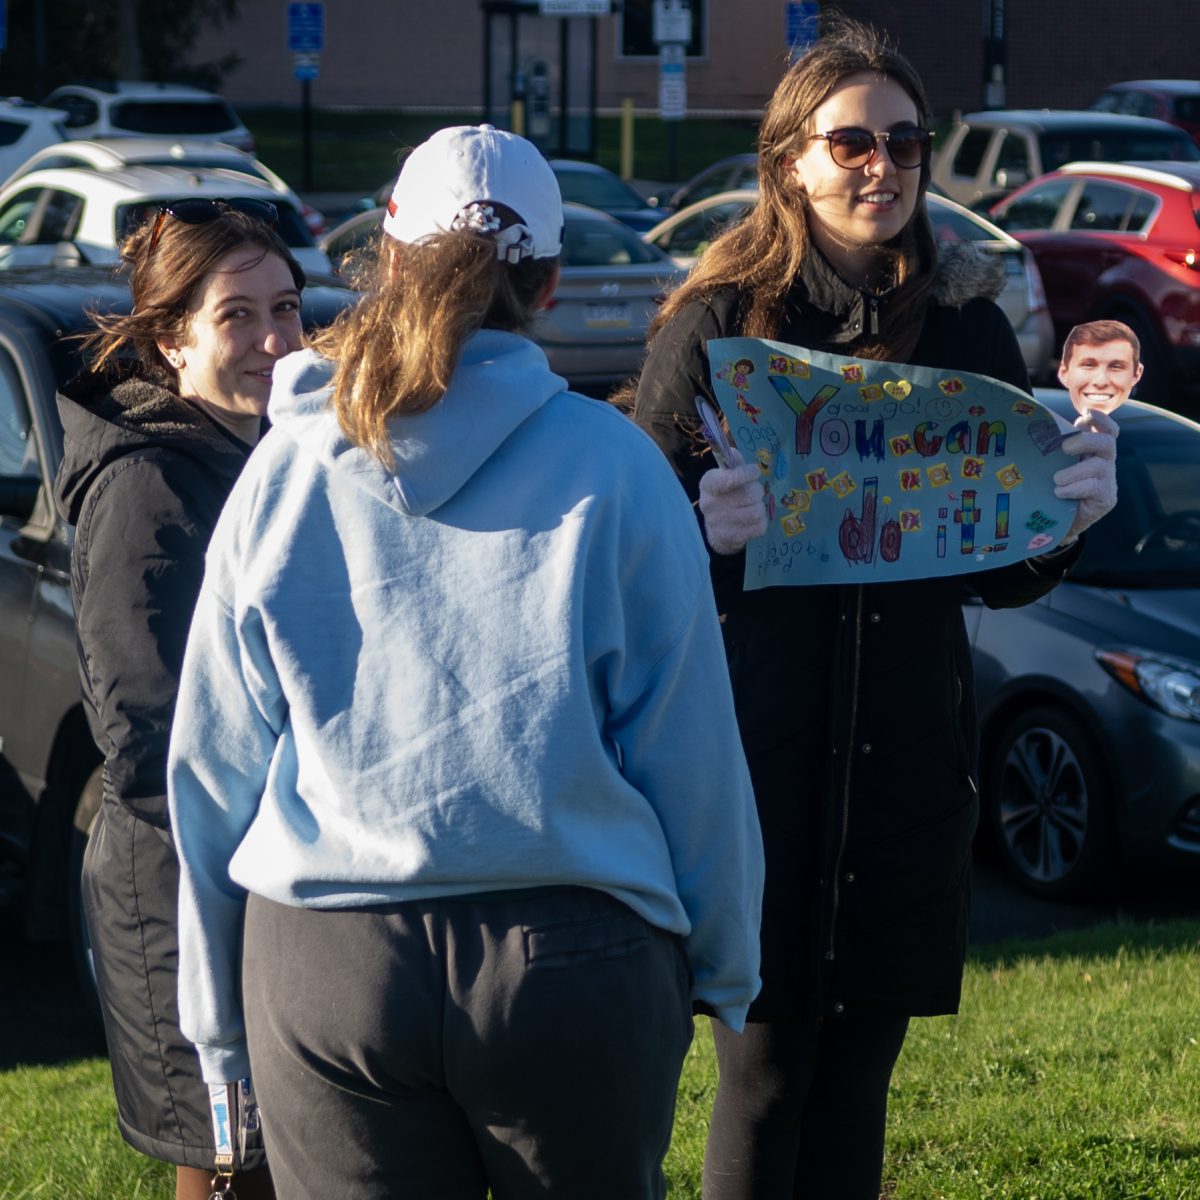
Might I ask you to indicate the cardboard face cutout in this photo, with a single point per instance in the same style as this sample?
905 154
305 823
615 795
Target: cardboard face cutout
1100 365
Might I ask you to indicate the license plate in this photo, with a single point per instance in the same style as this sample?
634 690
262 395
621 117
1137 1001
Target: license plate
606 316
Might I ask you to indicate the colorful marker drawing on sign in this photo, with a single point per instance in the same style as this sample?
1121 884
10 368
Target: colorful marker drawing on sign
877 471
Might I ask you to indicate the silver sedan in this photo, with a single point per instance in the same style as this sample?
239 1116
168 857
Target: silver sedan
594 332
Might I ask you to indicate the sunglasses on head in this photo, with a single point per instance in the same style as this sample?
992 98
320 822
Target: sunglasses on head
198 210
907 146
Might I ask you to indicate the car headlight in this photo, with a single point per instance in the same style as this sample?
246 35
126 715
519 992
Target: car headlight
1170 684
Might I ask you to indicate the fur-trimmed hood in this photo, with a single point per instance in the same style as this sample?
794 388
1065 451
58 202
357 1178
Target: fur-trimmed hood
965 272
107 415
841 314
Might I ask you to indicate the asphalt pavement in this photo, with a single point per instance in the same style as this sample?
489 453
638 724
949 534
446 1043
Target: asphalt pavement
1001 909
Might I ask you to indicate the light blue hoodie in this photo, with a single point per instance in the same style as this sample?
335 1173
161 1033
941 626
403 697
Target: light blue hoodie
498 666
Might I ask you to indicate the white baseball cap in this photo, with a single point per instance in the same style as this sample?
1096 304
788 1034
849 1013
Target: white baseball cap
453 180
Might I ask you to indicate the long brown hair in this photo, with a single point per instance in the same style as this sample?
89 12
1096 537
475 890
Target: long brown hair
762 255
397 348
163 279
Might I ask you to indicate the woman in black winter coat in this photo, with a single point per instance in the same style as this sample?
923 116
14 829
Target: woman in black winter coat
856 703
153 442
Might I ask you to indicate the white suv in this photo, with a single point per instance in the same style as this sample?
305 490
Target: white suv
67 216
111 154
24 128
162 109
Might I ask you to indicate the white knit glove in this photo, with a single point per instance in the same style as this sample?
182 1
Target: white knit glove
731 500
1093 479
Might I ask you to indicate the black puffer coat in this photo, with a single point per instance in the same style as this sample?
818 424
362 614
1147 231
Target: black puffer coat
143 479
856 703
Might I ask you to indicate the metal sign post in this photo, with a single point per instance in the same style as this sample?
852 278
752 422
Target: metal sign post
995 54
306 40
672 33
803 26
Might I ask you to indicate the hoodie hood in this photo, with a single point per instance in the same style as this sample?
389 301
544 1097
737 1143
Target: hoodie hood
110 414
500 380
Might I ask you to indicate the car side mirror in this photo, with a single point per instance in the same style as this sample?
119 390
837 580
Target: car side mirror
67 254
18 496
1011 177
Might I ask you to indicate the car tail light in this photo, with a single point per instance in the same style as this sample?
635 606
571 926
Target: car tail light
1169 684
1186 258
1035 294
313 219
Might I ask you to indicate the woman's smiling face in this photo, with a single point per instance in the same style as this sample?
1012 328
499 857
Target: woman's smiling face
244 315
853 210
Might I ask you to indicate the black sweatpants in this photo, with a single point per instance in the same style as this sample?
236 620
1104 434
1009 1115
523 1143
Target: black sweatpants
801 1111
527 1042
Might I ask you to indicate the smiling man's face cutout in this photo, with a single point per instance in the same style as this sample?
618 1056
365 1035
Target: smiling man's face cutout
1100 365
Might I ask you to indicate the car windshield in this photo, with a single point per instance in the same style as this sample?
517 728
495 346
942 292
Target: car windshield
181 117
291 225
596 242
1116 145
596 190
1152 538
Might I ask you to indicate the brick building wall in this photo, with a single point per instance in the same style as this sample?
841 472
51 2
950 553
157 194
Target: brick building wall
1061 53
410 53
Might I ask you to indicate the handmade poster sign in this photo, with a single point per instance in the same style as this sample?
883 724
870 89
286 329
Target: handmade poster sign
875 471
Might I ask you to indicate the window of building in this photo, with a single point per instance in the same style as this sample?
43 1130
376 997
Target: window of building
637 29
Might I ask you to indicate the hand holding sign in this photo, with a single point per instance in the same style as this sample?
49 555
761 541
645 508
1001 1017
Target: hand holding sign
874 471
731 501
1093 479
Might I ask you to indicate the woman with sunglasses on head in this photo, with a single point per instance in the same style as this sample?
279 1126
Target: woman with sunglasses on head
469 786
855 703
155 433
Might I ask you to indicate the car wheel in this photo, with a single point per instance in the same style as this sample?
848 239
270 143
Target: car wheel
1048 805
87 809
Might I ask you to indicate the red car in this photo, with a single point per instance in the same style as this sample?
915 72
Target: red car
1121 240
1173 100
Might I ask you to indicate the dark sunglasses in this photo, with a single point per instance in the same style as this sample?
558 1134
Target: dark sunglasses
198 210
907 147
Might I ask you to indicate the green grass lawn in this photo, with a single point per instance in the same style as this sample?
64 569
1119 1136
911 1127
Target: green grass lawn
359 151
1073 1073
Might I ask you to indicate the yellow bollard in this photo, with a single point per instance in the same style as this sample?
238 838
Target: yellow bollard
516 117
627 138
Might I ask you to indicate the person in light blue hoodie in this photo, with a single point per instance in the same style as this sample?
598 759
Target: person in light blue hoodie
465 826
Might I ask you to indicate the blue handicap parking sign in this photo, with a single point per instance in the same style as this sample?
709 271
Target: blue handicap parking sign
306 28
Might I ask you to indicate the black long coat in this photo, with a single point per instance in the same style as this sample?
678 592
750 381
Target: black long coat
856 703
143 478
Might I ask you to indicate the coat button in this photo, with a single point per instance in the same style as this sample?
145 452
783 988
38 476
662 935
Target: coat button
875 618
866 747
849 876
839 1007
